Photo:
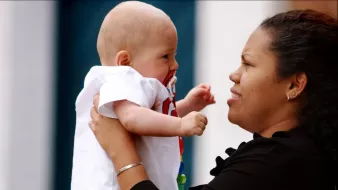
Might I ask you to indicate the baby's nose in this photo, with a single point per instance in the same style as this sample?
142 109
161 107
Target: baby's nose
174 66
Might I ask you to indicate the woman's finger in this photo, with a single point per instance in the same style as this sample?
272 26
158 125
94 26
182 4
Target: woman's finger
96 100
94 114
91 125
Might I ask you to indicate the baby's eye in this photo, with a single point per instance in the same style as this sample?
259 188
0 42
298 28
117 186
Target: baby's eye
166 56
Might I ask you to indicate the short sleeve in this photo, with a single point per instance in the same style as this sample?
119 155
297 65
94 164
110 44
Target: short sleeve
125 84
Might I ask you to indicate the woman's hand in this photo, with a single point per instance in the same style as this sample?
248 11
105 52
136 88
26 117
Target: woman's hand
110 133
119 145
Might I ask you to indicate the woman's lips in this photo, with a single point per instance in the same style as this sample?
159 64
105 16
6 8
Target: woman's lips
235 96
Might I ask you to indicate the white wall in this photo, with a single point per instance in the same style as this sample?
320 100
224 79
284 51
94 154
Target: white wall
223 28
5 91
26 97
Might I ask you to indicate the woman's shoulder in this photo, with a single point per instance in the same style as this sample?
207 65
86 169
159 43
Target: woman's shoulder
280 148
291 156
288 160
289 146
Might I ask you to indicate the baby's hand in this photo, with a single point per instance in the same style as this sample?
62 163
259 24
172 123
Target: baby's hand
193 124
200 97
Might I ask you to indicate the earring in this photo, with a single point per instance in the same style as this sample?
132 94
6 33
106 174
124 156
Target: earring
292 95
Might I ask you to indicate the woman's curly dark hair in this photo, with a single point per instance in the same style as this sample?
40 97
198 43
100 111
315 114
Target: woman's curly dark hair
306 41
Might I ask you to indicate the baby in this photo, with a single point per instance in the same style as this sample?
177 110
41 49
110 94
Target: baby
136 44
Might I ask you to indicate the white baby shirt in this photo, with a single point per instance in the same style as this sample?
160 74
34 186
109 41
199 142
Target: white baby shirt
92 167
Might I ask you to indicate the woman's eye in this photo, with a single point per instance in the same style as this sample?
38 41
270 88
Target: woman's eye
166 56
246 65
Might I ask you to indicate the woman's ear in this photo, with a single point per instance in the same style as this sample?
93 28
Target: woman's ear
297 86
123 58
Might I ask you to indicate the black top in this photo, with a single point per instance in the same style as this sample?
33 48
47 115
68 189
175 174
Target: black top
287 161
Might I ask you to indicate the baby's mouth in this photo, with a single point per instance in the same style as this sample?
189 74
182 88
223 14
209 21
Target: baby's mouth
169 76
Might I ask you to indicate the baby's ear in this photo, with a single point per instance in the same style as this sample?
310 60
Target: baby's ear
123 58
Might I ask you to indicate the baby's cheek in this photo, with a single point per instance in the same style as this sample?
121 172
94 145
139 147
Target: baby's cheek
160 78
145 72
162 75
154 73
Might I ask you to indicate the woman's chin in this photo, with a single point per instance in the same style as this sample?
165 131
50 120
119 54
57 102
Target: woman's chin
233 117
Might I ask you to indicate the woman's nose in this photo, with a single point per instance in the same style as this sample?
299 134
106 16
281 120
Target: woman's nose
235 77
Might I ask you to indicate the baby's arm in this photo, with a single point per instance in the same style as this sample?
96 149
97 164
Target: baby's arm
183 108
146 122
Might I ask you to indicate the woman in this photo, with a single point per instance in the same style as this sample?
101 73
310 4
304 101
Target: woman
286 93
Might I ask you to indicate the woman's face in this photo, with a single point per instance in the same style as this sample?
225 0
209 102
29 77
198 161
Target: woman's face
258 96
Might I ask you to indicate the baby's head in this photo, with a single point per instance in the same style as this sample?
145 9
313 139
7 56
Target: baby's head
139 35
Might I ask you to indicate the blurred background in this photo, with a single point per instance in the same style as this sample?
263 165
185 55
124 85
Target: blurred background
47 47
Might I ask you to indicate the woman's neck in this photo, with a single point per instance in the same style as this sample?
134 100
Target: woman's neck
284 125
